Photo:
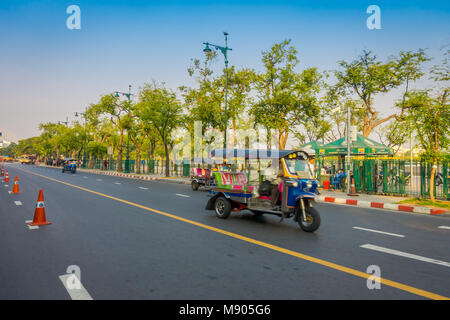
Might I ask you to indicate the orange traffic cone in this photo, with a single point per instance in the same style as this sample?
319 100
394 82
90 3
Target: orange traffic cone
16 185
6 177
39 214
353 188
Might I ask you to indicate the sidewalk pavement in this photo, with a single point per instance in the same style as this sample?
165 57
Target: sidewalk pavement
338 197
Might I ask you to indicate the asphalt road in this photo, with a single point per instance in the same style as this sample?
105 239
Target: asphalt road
136 239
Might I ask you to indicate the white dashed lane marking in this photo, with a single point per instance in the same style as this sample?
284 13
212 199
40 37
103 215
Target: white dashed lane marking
18 203
444 227
382 232
74 287
182 195
143 188
405 254
31 227
117 183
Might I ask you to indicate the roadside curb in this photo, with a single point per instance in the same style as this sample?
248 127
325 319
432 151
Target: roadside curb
382 205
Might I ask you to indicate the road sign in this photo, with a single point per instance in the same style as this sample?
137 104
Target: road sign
110 150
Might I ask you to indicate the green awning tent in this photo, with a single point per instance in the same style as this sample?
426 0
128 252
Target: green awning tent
362 146
315 145
312 147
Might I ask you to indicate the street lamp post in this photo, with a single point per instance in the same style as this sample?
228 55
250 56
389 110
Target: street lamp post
64 122
224 51
127 159
85 135
347 163
349 141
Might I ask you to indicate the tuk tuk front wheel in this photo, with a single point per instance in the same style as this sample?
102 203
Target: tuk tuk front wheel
222 207
195 185
312 222
62 170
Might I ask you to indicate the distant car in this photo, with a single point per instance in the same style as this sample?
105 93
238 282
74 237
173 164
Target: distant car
24 159
69 164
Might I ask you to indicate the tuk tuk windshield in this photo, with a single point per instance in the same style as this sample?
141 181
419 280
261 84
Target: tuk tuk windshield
299 168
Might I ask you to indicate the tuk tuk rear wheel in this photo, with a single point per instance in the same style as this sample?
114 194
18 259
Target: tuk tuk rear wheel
312 222
195 185
222 207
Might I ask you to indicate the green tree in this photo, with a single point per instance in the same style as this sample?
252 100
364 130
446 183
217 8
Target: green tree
160 108
429 116
9 150
240 84
395 134
203 103
286 99
26 146
119 113
366 77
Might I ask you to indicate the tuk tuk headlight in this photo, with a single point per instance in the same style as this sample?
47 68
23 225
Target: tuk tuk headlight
291 183
309 184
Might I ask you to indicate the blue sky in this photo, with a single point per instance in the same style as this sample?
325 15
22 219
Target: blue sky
49 71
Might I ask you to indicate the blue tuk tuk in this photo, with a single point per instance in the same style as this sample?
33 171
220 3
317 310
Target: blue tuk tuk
69 164
297 188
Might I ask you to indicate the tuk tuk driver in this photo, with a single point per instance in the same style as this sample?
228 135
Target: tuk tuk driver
275 180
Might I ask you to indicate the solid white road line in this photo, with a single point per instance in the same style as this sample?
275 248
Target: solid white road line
18 203
143 188
444 227
382 232
31 227
182 195
77 293
405 254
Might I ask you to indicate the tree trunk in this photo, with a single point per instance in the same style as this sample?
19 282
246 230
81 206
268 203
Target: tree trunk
435 149
137 163
234 132
269 138
92 161
119 152
432 179
282 139
166 149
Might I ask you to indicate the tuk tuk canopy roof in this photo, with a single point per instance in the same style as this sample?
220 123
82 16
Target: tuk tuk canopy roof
362 146
251 153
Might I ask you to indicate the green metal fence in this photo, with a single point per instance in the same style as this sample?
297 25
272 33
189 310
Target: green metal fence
399 177
151 166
